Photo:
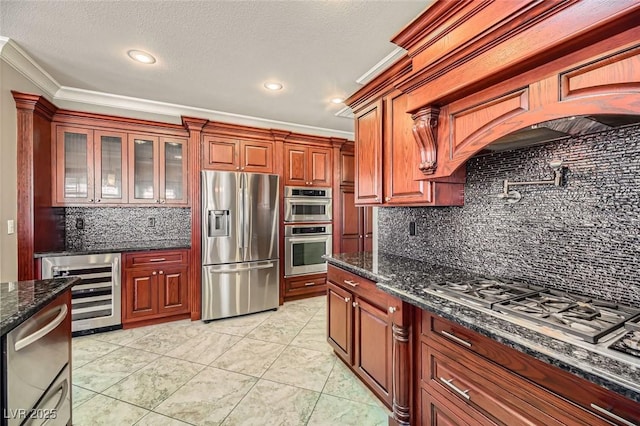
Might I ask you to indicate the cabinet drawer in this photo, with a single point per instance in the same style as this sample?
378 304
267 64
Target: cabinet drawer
302 282
359 286
439 411
149 258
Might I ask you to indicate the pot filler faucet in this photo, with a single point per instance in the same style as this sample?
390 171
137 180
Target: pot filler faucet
513 196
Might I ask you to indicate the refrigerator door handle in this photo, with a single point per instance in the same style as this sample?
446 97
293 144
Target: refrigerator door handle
240 223
231 268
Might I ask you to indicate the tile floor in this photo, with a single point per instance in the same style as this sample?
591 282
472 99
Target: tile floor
271 368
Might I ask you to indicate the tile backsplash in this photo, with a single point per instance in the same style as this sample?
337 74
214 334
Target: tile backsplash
582 237
124 225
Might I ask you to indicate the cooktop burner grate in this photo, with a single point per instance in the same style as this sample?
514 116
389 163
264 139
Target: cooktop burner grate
486 292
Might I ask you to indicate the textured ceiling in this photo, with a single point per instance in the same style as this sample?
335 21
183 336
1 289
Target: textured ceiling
214 54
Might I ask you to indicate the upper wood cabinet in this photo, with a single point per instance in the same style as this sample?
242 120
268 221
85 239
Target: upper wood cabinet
307 165
222 153
355 225
385 150
157 170
90 166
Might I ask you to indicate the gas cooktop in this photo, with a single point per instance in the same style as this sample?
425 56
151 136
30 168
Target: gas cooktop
486 292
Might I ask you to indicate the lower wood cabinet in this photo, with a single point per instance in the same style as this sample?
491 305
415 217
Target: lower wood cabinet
155 287
359 329
304 286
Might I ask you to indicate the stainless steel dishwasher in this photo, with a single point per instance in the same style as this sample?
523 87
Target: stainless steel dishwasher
96 300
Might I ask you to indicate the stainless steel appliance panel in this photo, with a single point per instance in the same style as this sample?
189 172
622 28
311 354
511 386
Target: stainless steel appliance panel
307 204
240 288
222 207
260 217
96 300
304 247
54 409
37 351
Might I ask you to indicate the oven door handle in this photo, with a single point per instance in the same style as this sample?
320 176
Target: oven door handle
308 201
33 337
307 240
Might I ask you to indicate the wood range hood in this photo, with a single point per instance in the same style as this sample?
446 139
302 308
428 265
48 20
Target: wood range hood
495 75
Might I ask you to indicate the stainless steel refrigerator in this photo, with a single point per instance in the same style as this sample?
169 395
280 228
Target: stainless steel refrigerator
240 265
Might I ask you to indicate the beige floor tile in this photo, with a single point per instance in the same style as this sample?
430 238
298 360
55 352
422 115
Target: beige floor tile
296 313
81 395
301 367
123 337
313 336
155 419
111 368
205 348
270 403
154 383
344 384
208 397
84 350
249 356
277 331
337 411
239 326
160 341
102 410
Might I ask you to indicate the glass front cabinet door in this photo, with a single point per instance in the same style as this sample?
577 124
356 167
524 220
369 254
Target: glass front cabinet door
110 167
173 170
74 166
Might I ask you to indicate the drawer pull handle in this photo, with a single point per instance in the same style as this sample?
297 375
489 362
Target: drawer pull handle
39 334
456 339
351 283
462 393
160 259
308 284
613 416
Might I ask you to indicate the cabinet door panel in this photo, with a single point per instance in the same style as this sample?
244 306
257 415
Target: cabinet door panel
295 165
140 290
373 345
339 321
110 167
320 167
256 157
347 168
220 154
173 171
143 169
369 155
74 165
401 155
173 290
367 228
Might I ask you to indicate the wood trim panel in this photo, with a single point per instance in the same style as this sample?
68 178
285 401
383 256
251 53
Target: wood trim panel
112 122
194 127
368 153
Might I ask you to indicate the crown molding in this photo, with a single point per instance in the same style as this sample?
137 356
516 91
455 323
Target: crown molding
25 65
384 63
345 112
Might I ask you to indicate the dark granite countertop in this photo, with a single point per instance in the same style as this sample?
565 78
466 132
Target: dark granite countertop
409 280
121 247
19 300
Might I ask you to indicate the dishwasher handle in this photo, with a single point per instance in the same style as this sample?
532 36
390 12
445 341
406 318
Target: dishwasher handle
33 337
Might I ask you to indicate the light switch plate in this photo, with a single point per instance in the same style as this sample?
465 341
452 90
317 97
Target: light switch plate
11 227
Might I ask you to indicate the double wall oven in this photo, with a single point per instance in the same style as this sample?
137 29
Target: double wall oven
307 230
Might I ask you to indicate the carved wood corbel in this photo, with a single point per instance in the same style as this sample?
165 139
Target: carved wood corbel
425 126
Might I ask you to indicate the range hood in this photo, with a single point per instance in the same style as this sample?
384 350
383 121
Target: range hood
560 128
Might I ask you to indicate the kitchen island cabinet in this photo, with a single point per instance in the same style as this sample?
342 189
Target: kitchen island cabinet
472 365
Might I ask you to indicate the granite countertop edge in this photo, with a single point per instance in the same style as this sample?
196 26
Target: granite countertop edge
114 249
595 367
13 321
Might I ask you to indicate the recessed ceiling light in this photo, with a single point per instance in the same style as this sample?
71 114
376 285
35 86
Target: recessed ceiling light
140 56
273 86
337 100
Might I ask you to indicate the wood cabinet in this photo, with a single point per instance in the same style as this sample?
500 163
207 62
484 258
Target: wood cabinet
384 150
90 166
304 286
465 375
307 165
359 328
155 287
157 170
223 153
355 229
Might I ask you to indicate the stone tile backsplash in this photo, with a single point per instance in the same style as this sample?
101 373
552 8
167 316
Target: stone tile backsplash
125 225
581 237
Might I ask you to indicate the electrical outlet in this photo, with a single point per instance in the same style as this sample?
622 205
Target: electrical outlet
152 221
79 223
412 228
11 228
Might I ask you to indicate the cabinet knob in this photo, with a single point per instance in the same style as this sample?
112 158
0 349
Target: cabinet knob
158 201
238 168
162 273
91 200
377 198
355 304
388 199
347 299
392 309
163 201
361 236
153 273
98 200
241 168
